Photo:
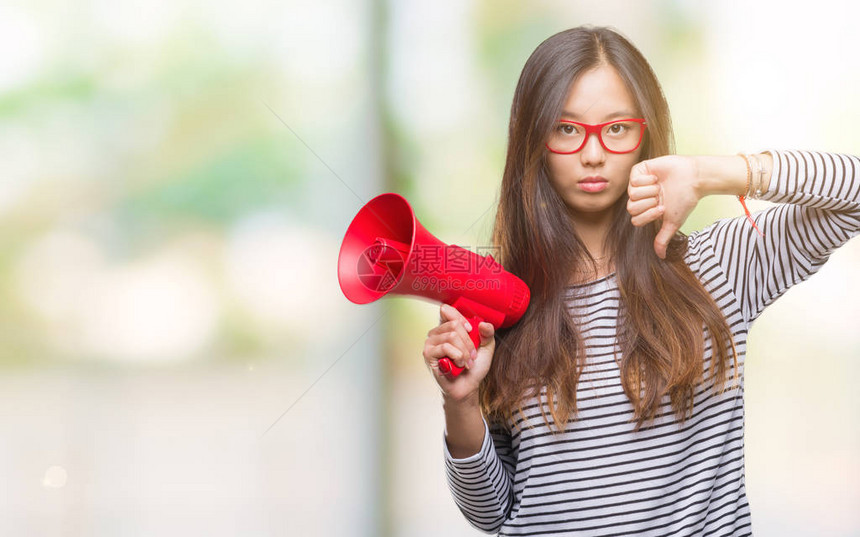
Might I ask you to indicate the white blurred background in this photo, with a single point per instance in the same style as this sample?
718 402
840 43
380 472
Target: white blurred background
176 357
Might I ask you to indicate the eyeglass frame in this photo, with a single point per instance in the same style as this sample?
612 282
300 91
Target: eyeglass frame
595 129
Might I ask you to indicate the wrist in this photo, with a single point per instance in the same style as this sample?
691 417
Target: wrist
468 402
726 175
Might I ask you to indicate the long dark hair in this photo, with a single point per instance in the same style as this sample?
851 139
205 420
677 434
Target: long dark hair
664 307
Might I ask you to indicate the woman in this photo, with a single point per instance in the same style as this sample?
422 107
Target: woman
615 406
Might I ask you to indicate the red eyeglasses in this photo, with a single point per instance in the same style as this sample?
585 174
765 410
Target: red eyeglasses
617 136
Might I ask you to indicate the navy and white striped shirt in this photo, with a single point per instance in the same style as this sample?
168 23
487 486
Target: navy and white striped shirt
599 477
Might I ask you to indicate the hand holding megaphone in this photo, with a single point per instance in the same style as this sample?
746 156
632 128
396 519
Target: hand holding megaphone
452 340
387 250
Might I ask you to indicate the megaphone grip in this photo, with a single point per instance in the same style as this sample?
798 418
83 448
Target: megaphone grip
446 365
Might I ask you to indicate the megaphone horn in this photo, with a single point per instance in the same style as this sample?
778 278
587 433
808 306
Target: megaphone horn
387 250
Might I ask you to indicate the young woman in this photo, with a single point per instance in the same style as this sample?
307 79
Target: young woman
615 406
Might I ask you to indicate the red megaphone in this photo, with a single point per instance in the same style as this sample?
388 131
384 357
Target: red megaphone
387 250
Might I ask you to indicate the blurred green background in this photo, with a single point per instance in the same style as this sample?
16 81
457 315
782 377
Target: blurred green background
176 357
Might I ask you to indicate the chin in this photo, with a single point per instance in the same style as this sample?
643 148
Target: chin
588 210
594 203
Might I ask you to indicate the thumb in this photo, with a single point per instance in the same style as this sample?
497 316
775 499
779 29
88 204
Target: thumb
661 242
487 331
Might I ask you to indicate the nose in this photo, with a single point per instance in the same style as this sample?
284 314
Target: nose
593 153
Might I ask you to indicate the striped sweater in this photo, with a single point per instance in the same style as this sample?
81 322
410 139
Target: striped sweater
599 477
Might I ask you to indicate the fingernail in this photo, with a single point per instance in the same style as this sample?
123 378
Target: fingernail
473 354
468 327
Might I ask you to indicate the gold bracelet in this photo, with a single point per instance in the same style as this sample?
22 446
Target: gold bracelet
749 185
758 176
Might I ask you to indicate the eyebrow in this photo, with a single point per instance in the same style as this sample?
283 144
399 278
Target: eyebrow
622 113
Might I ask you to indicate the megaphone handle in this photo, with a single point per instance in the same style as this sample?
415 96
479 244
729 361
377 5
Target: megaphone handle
446 365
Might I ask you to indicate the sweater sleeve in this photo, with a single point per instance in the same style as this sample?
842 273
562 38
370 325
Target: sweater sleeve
482 484
819 210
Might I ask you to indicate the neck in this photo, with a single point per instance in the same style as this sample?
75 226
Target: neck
592 229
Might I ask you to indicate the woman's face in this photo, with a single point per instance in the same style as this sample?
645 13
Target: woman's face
591 180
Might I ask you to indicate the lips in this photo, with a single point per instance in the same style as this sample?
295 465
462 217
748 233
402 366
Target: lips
593 183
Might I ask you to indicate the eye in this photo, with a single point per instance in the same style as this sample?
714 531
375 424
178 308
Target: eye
618 128
567 129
